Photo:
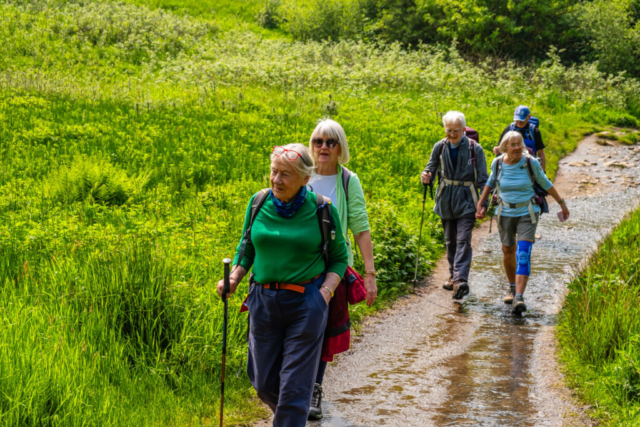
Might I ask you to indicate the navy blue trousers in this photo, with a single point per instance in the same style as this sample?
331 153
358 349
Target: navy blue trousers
285 342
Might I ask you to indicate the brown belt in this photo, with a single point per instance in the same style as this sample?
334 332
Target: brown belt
288 286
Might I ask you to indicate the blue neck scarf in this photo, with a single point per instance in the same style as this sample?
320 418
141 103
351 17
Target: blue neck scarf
287 210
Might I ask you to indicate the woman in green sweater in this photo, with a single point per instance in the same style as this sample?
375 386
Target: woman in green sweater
288 303
328 144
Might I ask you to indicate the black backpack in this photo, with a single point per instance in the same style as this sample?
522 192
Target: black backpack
325 221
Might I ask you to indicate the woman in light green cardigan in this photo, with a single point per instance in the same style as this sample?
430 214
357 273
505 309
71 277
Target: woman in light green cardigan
329 148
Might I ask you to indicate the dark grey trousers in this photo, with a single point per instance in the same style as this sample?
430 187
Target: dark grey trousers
457 235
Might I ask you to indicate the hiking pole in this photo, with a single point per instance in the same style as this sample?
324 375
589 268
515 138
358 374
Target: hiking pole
424 199
225 291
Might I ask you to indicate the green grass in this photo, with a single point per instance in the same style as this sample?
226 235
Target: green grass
599 328
225 14
132 139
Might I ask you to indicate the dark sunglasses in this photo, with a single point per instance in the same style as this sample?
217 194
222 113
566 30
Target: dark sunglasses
319 142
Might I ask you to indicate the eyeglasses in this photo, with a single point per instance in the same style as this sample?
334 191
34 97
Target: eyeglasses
288 154
319 142
453 130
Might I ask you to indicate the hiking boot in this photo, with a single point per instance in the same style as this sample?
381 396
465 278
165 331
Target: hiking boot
315 410
508 298
448 285
519 306
460 289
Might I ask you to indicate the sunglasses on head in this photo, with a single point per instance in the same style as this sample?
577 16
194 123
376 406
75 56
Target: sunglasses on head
319 142
288 154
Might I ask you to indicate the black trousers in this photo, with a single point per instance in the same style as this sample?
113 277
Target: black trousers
457 235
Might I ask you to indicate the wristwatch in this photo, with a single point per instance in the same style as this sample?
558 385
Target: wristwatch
375 273
330 291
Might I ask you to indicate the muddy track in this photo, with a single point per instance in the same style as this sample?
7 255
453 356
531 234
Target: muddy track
428 361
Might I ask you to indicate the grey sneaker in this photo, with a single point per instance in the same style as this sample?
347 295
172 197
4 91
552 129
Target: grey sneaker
460 289
448 285
508 298
315 409
519 306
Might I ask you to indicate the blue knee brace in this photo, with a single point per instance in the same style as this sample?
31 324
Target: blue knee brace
523 256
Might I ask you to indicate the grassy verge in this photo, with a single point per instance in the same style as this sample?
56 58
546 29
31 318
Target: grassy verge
599 328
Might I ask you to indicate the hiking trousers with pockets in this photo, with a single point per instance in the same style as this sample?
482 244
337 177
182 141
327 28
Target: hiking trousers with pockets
285 342
457 235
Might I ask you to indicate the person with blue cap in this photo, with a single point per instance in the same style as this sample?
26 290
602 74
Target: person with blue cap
526 126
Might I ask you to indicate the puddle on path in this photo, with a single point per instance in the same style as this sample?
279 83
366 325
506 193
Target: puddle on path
431 363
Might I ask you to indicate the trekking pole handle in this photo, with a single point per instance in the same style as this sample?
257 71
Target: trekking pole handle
424 195
227 282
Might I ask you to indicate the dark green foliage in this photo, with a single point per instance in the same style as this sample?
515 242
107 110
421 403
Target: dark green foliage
603 30
270 15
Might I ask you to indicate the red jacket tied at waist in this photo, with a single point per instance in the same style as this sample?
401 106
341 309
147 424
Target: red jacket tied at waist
337 334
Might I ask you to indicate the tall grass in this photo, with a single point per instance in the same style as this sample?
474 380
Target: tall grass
599 328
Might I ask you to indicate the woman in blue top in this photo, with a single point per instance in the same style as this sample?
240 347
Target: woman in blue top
517 212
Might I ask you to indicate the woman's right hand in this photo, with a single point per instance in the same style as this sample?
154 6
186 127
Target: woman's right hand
481 211
232 287
425 177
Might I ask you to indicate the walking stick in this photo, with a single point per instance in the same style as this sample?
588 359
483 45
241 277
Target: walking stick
225 291
424 199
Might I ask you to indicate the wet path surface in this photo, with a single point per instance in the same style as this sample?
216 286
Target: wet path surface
432 362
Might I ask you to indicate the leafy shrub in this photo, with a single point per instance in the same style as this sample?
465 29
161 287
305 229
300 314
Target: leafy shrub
611 28
395 250
88 180
270 16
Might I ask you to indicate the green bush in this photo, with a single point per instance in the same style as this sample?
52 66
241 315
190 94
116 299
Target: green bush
89 180
613 33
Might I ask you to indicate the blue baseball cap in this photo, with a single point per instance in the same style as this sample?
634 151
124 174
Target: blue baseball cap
521 113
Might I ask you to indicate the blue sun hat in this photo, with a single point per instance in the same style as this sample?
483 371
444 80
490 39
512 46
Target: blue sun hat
521 113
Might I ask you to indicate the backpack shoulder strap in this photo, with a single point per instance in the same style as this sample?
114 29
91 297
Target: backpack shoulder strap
440 168
532 131
472 159
346 175
258 201
327 227
530 170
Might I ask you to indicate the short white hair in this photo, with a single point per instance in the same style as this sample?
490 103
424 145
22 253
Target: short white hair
511 136
328 128
304 164
454 116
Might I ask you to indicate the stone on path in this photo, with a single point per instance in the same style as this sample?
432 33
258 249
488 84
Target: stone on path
619 164
604 142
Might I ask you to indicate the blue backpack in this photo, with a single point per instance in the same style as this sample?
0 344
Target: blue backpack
529 137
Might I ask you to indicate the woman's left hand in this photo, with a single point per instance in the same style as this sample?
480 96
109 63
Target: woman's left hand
565 210
325 294
371 288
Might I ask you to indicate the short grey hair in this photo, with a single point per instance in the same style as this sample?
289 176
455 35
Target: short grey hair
510 136
454 116
304 164
328 128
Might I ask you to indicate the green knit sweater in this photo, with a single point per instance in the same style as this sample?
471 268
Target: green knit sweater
287 250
